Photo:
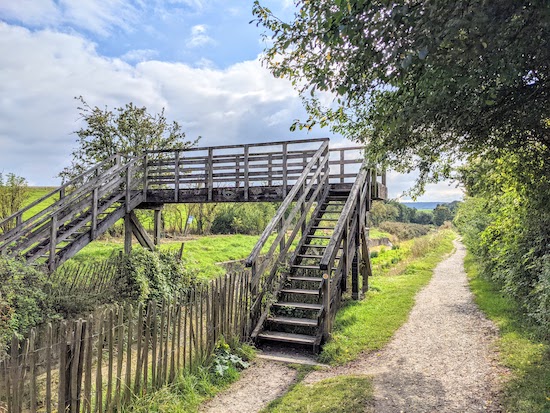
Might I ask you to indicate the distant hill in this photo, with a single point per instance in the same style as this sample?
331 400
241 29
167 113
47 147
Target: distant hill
424 205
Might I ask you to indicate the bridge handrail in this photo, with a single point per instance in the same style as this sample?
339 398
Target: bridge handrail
356 194
279 216
18 215
250 145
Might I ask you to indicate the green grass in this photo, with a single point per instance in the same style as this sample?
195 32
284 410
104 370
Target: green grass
342 394
369 324
520 347
201 253
35 193
190 389
376 233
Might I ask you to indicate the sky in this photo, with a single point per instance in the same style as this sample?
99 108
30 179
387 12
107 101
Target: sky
200 60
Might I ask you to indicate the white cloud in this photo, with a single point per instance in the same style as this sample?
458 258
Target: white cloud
96 16
199 37
138 55
46 70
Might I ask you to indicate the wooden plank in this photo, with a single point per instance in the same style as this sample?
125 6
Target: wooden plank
88 366
166 341
48 366
127 234
210 171
141 338
246 172
99 364
110 346
120 358
129 346
74 385
285 170
154 331
177 177
32 370
53 242
145 356
93 230
158 226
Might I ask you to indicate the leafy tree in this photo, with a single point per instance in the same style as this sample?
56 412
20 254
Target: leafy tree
423 83
423 217
13 192
128 130
382 211
441 214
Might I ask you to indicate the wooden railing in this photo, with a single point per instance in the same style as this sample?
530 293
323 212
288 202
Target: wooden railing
291 218
76 204
239 167
350 229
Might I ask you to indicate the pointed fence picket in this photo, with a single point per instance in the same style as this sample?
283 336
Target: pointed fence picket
101 363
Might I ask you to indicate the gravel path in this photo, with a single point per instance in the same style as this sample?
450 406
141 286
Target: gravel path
259 384
441 360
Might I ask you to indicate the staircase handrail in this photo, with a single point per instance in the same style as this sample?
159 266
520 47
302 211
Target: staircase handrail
18 215
358 187
251 260
118 167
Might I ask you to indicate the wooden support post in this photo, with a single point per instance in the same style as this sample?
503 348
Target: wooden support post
128 193
366 270
157 227
285 169
342 166
145 174
53 243
246 172
237 171
177 178
355 274
127 234
210 172
326 305
270 169
93 232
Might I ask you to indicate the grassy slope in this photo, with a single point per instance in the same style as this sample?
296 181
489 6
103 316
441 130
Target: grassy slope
202 253
521 349
37 192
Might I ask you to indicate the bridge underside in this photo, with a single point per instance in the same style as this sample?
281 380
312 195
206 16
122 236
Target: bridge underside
218 195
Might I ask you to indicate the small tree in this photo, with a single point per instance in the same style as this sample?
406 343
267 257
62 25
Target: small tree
442 214
13 192
128 130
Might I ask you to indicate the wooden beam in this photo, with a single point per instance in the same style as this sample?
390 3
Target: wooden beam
139 232
158 224
127 234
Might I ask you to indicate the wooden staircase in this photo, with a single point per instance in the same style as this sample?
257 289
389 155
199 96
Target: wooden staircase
296 315
79 212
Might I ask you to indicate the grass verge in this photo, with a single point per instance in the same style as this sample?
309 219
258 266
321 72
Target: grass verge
189 390
369 324
520 346
335 395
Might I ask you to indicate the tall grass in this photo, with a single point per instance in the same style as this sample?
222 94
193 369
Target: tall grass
521 348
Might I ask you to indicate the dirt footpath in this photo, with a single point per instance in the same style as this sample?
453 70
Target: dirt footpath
441 360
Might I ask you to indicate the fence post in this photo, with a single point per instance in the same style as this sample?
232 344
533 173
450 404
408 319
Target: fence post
177 177
246 172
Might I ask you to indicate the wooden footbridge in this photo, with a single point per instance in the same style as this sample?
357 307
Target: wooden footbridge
320 226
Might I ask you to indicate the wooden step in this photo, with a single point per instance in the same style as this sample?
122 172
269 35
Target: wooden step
322 228
299 291
305 279
287 337
294 321
319 236
328 219
310 256
301 306
305 267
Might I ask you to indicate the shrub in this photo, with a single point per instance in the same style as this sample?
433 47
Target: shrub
405 231
24 300
146 275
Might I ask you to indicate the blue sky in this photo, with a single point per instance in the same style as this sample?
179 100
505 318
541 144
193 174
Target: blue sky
198 59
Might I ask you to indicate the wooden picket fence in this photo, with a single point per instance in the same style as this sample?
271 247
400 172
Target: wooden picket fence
101 363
